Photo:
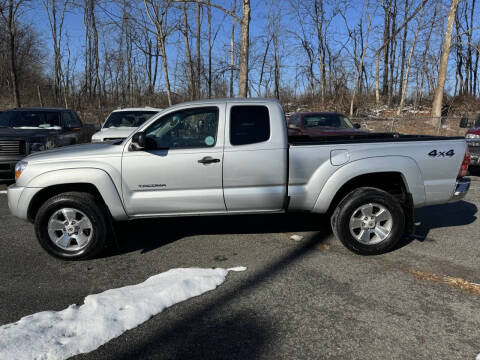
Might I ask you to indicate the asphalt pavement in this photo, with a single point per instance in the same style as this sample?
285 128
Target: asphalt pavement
304 299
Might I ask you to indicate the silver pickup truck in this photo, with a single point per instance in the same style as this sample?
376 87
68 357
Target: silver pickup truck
233 156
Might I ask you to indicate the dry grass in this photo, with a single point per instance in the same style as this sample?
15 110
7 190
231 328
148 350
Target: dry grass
458 283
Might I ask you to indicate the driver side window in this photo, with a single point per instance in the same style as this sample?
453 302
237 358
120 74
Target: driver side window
191 128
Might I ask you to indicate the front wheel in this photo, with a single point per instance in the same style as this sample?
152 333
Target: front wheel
369 221
72 226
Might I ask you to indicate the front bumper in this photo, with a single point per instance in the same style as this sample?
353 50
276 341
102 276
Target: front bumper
461 189
474 149
13 194
19 200
7 167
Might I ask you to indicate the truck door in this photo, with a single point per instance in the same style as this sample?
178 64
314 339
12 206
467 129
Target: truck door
255 158
181 173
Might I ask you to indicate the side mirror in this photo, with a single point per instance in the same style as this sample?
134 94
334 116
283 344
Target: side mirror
357 126
139 141
464 123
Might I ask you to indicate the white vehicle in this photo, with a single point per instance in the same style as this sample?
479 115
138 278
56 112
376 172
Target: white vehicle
122 122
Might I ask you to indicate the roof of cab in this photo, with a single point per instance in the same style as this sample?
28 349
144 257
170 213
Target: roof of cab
146 108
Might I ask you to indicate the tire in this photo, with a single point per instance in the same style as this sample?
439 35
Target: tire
368 234
85 226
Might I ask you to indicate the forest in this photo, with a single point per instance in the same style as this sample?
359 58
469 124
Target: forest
351 56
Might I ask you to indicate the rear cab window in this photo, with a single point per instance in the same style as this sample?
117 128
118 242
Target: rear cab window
249 124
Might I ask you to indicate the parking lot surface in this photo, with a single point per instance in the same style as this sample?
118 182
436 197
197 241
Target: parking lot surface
298 299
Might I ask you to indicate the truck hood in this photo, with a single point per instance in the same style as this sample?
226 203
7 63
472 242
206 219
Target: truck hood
87 151
19 133
113 132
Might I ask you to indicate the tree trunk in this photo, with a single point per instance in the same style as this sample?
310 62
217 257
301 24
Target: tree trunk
12 54
232 50
377 80
209 16
442 73
404 46
362 57
198 62
187 51
244 49
410 56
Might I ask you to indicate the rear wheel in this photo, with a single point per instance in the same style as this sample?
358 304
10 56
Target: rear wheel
369 221
72 226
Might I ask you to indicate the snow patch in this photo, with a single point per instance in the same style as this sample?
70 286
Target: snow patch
3 191
102 317
296 237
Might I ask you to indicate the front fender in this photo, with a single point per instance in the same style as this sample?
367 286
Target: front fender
96 177
404 165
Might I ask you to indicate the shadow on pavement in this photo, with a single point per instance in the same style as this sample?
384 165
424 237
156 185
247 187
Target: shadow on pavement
447 215
202 334
145 232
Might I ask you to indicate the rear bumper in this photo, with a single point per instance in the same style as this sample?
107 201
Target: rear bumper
461 189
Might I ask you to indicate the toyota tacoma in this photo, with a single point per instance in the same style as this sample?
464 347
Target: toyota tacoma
234 156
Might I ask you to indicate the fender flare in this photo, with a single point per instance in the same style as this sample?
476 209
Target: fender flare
93 176
405 166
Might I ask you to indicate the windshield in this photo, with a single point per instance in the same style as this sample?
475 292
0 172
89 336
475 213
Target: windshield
5 118
327 120
128 118
29 119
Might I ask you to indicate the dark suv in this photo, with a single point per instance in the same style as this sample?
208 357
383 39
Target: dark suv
27 130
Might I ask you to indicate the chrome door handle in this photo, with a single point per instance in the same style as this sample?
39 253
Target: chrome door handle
208 160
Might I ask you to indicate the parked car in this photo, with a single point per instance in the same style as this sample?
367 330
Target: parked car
473 140
217 157
122 122
28 130
322 123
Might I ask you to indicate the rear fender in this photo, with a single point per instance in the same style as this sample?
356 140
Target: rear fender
406 166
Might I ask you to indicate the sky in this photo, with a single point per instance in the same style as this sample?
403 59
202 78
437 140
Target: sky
292 55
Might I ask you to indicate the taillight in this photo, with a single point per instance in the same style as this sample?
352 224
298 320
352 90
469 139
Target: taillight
464 168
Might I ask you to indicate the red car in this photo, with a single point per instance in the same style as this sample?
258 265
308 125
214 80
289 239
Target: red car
473 139
321 124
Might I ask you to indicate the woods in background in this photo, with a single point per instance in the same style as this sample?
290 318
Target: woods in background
335 55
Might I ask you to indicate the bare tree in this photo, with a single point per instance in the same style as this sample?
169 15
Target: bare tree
157 12
442 72
9 12
362 56
56 16
409 61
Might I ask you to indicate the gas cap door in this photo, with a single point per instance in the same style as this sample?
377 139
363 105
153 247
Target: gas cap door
339 157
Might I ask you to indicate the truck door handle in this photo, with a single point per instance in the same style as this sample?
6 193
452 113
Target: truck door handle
208 160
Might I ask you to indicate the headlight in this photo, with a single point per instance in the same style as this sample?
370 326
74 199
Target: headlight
37 146
472 136
19 168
